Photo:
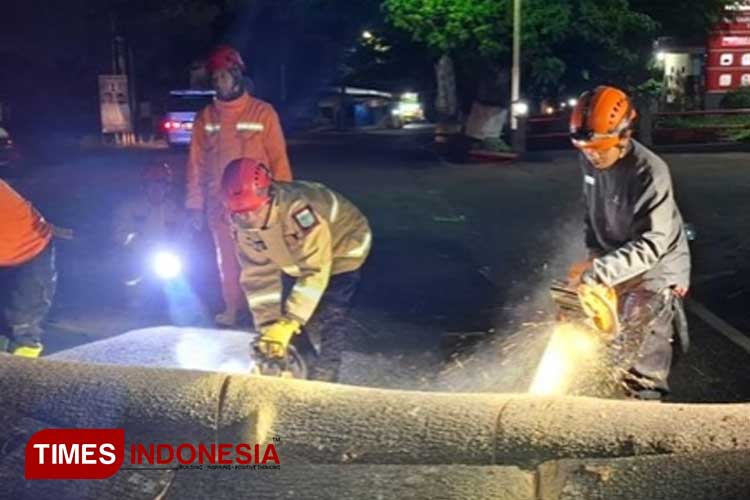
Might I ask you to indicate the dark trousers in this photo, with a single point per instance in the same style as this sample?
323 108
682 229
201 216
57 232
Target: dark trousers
326 334
27 293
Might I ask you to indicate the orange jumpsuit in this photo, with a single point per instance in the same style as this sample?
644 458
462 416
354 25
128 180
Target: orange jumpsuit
224 131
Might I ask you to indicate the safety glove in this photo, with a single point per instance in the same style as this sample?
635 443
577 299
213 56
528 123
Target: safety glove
275 338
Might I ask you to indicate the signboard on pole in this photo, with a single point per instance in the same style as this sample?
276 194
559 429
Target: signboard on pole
114 104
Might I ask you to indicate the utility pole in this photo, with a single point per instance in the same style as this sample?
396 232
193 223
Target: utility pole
515 91
518 109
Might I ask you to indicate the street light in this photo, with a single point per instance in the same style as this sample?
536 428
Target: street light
572 102
661 55
519 109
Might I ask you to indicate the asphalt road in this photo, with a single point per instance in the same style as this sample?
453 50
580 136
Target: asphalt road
457 248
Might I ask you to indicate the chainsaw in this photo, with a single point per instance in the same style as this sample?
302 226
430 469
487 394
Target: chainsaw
596 304
292 365
599 306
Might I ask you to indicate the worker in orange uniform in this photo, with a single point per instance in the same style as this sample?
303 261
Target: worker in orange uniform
235 125
27 273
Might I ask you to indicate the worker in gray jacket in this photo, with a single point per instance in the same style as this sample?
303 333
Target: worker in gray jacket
634 234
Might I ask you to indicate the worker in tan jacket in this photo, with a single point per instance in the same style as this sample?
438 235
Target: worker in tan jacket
235 125
304 231
27 272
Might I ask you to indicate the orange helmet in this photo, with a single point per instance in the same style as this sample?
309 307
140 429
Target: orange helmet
600 118
246 183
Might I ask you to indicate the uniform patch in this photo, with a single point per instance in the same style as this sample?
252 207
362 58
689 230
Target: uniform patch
305 218
589 180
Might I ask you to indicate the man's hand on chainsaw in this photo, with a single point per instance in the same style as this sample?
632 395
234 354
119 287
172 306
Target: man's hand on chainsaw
275 338
588 278
576 272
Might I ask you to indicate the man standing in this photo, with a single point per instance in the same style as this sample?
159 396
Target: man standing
235 125
308 233
27 272
634 233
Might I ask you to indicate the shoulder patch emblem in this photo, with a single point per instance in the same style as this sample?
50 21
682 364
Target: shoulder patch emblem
589 179
305 218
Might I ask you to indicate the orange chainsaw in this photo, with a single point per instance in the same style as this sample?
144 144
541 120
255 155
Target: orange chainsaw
596 303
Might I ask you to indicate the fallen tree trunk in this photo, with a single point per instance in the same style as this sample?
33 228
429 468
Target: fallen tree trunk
331 437
327 423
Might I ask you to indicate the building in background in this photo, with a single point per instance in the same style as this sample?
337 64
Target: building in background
728 56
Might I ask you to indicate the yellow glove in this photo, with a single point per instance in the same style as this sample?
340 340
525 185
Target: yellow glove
28 351
275 338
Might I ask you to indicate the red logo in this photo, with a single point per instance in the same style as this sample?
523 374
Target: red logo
75 453
100 453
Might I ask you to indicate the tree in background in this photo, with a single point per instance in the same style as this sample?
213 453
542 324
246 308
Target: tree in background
477 34
567 46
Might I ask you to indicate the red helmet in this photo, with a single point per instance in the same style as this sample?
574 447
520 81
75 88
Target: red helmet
158 172
245 184
224 57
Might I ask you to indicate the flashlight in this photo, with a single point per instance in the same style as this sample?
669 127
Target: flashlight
166 265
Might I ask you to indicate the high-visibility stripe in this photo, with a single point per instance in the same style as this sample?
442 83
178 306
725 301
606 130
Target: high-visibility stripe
212 127
250 127
291 270
266 298
308 292
362 249
334 207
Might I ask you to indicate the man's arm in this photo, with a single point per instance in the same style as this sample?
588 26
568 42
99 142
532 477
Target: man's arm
260 279
196 165
315 259
275 144
653 223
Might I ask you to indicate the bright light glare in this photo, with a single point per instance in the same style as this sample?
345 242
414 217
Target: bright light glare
661 55
572 102
567 348
198 352
409 107
520 108
367 35
167 265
